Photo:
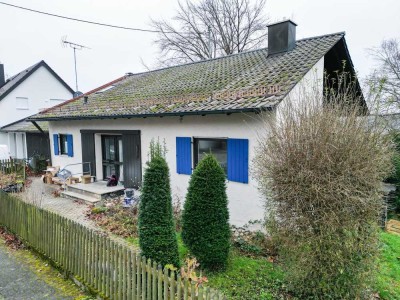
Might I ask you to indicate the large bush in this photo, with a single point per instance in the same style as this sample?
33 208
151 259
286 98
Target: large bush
394 204
157 237
321 168
205 219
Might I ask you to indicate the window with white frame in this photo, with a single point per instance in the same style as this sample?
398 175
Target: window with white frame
22 103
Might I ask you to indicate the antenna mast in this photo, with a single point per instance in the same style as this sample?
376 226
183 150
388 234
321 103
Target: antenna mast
209 42
74 46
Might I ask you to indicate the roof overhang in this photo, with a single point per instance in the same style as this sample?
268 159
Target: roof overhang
159 115
334 62
25 125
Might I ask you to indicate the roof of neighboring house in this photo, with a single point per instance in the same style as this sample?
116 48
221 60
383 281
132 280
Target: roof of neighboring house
17 79
247 81
25 126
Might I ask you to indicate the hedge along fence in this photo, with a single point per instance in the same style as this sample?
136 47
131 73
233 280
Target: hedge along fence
112 270
8 166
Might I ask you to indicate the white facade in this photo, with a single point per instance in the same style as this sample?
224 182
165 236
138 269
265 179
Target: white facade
40 90
242 209
245 201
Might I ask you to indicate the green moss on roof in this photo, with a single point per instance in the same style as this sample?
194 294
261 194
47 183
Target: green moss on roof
192 87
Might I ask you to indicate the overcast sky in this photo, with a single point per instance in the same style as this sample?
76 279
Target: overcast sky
27 38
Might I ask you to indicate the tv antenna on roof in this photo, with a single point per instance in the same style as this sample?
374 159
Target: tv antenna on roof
65 43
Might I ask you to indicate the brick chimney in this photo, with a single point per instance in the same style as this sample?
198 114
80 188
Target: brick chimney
281 37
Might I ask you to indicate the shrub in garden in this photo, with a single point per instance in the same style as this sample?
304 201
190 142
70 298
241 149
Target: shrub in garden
320 165
205 219
394 178
116 219
157 237
252 243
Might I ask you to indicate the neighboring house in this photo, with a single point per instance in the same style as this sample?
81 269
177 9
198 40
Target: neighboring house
35 139
196 108
25 94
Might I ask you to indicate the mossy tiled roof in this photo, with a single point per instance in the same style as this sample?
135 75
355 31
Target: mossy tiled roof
240 82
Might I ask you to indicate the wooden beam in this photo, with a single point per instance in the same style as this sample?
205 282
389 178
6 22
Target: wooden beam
37 126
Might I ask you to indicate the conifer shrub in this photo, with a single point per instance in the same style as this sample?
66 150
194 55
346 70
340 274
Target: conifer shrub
157 237
320 165
205 219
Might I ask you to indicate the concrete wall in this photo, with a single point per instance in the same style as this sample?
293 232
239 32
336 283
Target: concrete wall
245 202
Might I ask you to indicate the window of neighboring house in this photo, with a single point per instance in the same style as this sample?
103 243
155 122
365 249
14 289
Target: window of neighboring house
217 147
63 144
54 102
22 103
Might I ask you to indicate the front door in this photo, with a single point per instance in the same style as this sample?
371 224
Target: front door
112 156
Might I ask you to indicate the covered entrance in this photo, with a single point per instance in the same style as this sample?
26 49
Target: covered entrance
113 152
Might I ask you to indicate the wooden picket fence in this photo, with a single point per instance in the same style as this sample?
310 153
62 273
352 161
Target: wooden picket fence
112 270
8 166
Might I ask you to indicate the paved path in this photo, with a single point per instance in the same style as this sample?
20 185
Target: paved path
18 282
41 195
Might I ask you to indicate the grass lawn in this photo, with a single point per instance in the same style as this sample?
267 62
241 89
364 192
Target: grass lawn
388 280
257 278
248 278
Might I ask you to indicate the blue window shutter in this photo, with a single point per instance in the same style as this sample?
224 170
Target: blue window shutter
70 145
56 144
238 160
184 155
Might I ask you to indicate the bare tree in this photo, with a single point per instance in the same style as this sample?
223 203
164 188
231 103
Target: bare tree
211 28
385 81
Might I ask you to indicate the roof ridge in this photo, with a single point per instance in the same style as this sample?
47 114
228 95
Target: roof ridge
24 70
343 33
232 55
14 81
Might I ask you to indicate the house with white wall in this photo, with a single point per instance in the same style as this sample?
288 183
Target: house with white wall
207 106
25 94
